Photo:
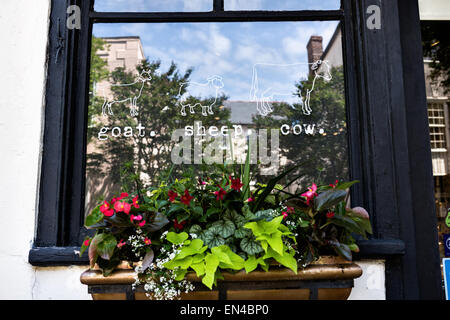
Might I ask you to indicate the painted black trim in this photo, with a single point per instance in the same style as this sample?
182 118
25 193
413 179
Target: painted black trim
57 256
427 258
216 16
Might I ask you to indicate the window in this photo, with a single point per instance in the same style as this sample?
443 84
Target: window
376 90
257 80
436 117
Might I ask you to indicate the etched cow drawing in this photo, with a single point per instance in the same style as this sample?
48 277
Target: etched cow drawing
143 78
264 92
211 87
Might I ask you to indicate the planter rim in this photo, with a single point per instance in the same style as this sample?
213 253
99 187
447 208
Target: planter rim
326 268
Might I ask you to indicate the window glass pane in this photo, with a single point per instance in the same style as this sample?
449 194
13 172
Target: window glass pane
282 4
274 87
152 5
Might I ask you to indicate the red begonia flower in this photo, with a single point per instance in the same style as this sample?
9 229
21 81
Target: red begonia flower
147 241
120 206
330 214
136 202
104 207
109 212
86 242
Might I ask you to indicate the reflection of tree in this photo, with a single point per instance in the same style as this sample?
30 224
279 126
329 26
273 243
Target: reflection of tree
158 112
328 152
436 45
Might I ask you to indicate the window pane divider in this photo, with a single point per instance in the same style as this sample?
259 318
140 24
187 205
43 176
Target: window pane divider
216 16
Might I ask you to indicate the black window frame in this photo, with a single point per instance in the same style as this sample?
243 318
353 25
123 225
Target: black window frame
389 149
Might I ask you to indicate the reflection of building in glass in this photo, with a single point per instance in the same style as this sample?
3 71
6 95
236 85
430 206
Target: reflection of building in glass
120 52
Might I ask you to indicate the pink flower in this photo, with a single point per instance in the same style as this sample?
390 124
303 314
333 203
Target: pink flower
285 214
121 243
172 195
135 218
201 182
186 198
251 199
220 194
147 241
236 184
122 207
86 242
135 202
310 194
141 224
290 210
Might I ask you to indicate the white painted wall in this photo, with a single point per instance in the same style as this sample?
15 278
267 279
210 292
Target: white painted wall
23 34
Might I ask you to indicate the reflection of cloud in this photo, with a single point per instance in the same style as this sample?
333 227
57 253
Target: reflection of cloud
153 5
226 49
282 5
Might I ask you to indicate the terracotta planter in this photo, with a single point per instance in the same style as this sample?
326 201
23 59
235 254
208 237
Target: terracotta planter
330 278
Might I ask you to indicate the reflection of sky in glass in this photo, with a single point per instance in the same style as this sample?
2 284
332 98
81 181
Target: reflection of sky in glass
228 49
206 5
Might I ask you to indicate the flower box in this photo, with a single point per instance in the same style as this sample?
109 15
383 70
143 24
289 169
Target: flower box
329 278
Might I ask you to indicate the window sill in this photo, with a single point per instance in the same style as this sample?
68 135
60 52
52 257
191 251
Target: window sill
56 256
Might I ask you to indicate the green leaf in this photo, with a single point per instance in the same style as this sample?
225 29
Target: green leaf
250 264
195 229
342 249
221 255
242 233
346 185
346 223
275 242
225 228
175 207
329 199
271 184
195 247
286 259
251 246
94 217
177 238
211 264
199 268
106 245
198 210
212 238
233 260
263 215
